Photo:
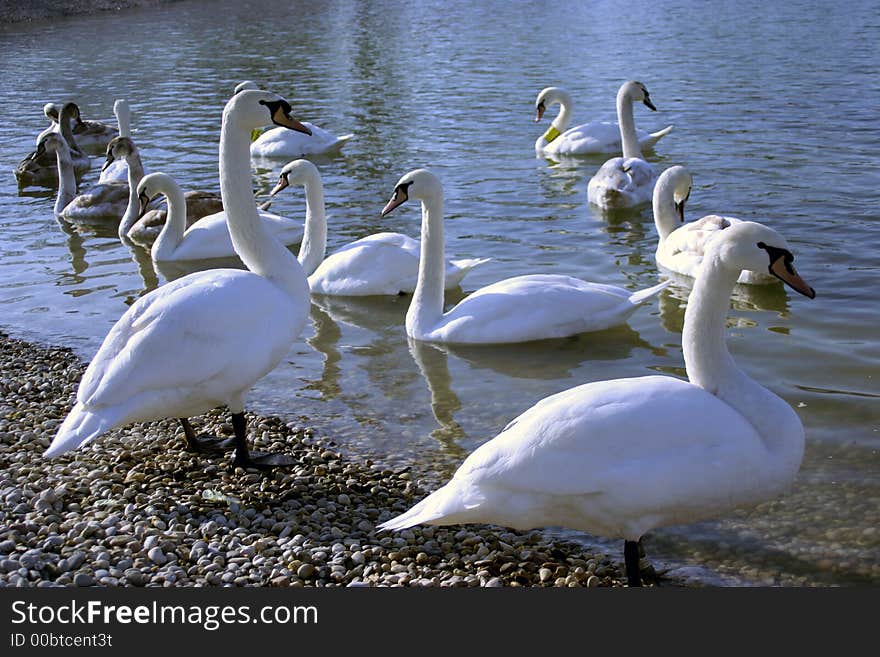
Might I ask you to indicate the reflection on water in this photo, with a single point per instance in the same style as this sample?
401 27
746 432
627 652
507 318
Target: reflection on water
388 75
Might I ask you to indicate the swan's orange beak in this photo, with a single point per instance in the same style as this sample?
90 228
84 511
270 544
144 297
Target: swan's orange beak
400 197
282 183
280 117
540 108
782 269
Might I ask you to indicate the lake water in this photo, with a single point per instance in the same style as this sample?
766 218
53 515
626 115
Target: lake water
775 108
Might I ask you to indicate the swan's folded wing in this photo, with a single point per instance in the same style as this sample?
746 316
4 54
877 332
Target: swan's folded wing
379 266
176 337
692 238
635 433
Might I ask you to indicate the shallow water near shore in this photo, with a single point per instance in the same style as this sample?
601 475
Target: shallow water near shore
774 109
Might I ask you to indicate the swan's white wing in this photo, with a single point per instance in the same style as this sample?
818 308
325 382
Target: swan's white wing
622 182
282 142
184 335
593 137
209 237
117 172
385 263
531 307
101 201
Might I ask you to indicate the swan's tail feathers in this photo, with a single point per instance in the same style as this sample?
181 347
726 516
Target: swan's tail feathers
80 427
444 505
656 136
341 141
466 264
645 295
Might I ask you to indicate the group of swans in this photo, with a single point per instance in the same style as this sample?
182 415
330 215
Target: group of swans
615 458
621 182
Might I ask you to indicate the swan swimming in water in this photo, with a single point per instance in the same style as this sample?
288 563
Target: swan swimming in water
621 457
589 138
681 246
40 168
379 264
627 181
203 340
519 309
277 143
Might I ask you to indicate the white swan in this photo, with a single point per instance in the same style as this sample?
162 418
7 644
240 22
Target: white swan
208 238
203 340
277 143
588 138
680 247
519 309
626 181
117 170
618 458
41 168
379 264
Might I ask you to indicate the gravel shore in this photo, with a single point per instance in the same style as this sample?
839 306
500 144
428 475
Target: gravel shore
137 509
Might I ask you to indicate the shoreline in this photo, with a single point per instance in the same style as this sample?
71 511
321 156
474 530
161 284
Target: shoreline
12 12
136 509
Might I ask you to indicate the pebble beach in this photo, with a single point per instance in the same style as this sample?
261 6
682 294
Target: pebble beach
137 509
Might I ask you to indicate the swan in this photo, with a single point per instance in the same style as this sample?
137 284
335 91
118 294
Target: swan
92 134
588 138
626 181
117 170
379 264
519 309
41 168
203 340
199 203
208 238
287 144
681 246
620 457
53 144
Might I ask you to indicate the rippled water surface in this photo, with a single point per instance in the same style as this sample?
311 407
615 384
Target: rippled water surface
775 113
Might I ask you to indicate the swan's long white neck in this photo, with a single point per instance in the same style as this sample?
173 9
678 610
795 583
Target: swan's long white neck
314 243
123 118
666 219
175 222
627 124
129 219
426 308
560 123
710 366
66 179
258 250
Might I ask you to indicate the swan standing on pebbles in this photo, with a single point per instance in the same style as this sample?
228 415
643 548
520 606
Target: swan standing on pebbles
40 168
618 458
277 143
379 264
586 139
681 246
627 181
519 309
203 340
207 238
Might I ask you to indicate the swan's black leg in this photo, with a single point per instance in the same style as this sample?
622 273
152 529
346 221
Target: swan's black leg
203 443
631 561
646 570
244 458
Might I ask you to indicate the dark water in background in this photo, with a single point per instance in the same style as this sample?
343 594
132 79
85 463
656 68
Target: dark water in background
775 110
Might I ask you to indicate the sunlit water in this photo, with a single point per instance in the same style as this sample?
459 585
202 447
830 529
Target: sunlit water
775 113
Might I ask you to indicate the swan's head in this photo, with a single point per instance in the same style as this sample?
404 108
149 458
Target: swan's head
548 97
71 111
51 111
419 184
298 172
635 92
755 247
251 109
245 86
678 182
119 148
151 187
120 106
52 143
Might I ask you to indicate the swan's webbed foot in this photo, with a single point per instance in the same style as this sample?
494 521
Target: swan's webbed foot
262 460
244 458
204 443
